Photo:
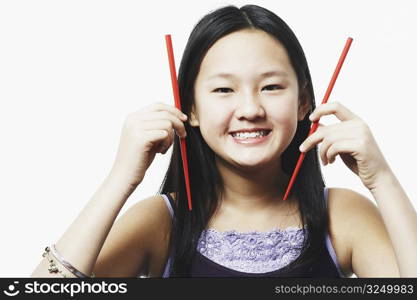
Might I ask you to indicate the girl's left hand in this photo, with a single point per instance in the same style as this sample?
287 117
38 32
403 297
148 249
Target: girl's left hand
352 140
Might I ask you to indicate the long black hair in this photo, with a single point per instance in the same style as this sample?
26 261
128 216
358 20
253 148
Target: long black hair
205 181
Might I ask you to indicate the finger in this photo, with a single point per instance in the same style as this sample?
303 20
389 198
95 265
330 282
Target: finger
176 123
159 124
313 139
341 146
159 106
325 145
333 134
167 143
159 136
336 108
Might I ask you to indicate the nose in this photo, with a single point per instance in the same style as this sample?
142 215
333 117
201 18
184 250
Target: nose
249 107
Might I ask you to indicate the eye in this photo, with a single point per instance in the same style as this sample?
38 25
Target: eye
274 86
222 89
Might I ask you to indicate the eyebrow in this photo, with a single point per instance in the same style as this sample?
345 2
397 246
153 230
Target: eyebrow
263 75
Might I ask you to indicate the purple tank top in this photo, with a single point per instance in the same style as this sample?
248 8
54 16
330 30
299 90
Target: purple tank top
255 254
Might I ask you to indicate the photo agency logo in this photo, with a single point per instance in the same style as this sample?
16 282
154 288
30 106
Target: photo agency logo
70 289
11 289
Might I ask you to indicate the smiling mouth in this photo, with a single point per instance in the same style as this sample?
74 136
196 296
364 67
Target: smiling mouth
250 135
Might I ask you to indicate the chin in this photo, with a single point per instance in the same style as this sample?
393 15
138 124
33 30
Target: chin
253 164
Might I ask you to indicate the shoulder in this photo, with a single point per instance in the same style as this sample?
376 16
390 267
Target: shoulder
348 205
136 240
359 234
150 211
150 221
338 229
154 211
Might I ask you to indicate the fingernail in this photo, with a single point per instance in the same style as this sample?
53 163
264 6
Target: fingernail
311 117
301 148
184 117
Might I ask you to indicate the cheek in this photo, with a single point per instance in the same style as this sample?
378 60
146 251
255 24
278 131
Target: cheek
214 120
284 119
284 114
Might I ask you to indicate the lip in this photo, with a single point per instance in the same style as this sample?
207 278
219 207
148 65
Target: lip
250 130
251 141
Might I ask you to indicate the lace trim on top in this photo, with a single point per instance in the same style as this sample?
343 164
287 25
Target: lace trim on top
253 251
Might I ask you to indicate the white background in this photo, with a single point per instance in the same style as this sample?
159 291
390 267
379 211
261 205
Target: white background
71 71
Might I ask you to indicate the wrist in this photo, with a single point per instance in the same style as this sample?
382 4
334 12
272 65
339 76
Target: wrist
386 178
116 183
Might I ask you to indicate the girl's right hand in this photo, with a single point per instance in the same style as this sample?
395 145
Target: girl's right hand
145 133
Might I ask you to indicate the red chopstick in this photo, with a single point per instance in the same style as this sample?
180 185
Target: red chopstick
178 105
316 123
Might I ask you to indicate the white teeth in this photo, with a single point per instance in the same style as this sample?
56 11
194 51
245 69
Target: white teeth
246 135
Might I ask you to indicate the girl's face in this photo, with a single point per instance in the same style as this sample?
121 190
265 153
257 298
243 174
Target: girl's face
246 81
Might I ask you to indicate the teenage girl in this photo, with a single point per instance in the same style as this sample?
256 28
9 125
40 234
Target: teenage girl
248 104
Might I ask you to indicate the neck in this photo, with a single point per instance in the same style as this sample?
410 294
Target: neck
253 189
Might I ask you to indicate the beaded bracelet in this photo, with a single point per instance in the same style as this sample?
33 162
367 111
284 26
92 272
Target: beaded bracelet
53 269
52 266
